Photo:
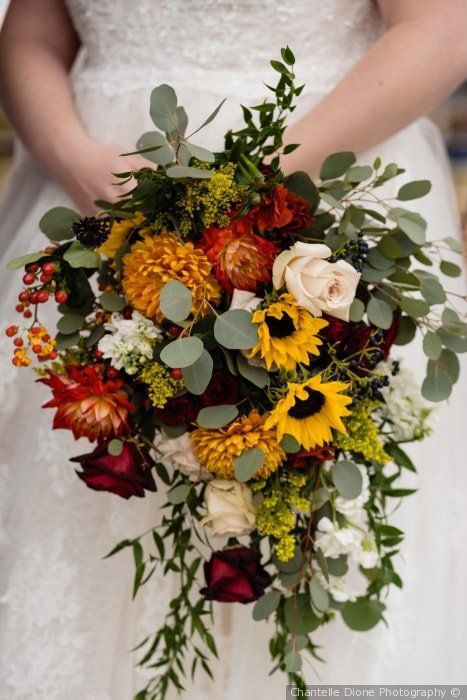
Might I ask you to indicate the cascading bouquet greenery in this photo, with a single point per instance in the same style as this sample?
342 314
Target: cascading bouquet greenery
224 331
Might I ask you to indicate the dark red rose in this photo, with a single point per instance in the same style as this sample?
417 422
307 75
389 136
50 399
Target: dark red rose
359 339
235 576
128 474
181 409
337 331
305 458
223 388
302 218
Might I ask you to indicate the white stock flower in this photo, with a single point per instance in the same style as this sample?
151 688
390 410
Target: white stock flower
130 342
178 453
411 417
338 586
230 510
353 539
317 285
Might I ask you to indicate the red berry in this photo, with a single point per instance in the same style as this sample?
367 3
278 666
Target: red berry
11 331
19 308
34 298
48 269
27 314
31 267
98 354
176 373
18 342
29 278
37 349
174 330
45 279
61 296
111 373
127 313
42 296
53 355
23 296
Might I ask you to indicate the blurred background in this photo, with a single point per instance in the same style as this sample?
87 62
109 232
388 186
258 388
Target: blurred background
451 117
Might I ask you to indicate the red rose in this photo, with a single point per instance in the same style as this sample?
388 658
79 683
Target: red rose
223 388
181 409
302 218
128 474
337 331
235 576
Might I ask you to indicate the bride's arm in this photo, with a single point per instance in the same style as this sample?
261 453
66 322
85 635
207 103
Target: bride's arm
417 63
38 45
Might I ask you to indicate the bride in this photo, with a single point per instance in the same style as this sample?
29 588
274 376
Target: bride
76 80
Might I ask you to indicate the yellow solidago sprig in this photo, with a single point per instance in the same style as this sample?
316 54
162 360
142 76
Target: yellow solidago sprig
161 385
218 449
287 334
211 198
119 233
275 515
157 259
310 411
362 434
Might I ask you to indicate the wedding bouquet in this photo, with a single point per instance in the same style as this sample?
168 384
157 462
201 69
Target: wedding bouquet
224 337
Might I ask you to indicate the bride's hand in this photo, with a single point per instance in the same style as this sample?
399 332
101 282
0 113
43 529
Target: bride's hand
85 172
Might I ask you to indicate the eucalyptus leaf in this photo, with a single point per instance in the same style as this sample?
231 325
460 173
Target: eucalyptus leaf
115 447
299 614
78 255
182 352
176 171
111 301
323 564
407 330
432 345
453 243
198 375
163 105
338 566
450 269
379 313
199 153
416 308
175 301
363 614
414 190
247 464
215 417
319 597
20 262
65 341
358 173
70 323
347 479
357 310
266 605
319 498
211 117
336 165
234 330
437 385
432 291
178 494
57 223
155 148
448 362
302 185
290 444
293 662
256 375
453 341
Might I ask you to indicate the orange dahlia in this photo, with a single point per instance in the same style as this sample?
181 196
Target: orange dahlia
87 404
241 258
217 449
157 259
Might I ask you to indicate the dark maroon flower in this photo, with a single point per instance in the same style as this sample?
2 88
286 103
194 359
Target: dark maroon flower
223 388
128 474
235 576
181 409
337 331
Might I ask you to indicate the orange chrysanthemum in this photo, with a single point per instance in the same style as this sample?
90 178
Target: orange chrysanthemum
88 405
155 260
217 449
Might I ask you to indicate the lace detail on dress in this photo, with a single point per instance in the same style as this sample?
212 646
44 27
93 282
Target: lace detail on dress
219 45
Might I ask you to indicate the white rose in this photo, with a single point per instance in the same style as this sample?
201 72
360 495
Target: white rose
317 285
244 300
178 453
230 508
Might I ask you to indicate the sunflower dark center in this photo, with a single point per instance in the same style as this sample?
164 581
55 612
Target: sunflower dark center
280 327
304 408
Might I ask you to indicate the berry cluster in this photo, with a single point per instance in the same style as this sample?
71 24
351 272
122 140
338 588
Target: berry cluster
355 250
45 281
37 340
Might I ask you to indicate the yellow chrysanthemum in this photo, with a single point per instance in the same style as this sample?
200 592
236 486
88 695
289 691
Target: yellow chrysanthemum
157 259
119 232
310 410
217 449
287 334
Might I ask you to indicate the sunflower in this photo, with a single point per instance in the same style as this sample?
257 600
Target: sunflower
119 233
157 259
217 449
287 334
310 410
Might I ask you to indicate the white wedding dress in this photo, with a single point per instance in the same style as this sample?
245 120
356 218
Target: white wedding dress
67 622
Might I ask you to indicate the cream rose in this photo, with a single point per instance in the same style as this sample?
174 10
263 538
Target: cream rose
230 508
178 453
316 284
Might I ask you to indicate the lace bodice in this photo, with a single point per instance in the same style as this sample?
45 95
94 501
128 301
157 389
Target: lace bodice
221 46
